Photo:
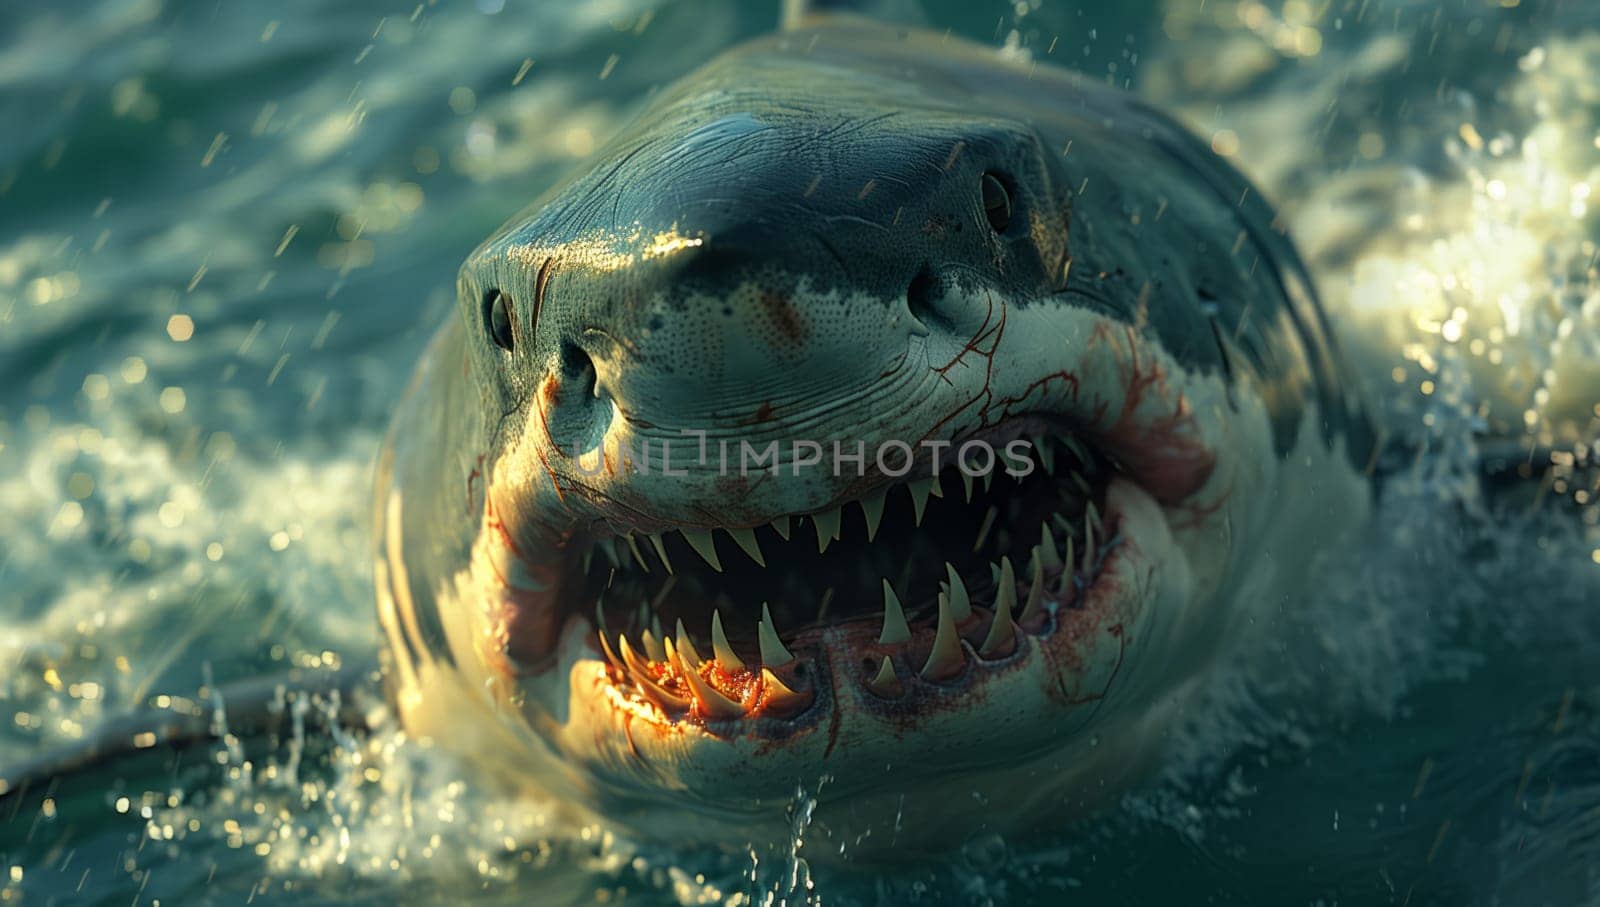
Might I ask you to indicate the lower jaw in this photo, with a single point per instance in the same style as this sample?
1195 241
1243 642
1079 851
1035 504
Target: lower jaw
1024 729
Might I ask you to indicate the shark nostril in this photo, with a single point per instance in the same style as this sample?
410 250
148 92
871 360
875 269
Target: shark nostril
575 417
577 365
922 296
996 202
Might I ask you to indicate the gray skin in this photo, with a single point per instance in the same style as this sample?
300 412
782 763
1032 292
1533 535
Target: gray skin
793 242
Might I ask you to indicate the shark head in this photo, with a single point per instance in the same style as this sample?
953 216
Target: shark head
872 409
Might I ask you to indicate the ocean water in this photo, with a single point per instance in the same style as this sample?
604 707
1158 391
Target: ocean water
227 229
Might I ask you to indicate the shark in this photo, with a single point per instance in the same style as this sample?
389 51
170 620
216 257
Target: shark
874 408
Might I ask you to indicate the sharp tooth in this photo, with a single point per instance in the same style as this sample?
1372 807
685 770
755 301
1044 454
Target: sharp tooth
712 702
1082 483
1047 456
646 684
611 656
822 608
945 660
1088 546
686 650
778 697
633 548
1001 633
872 509
1061 523
746 539
1049 557
669 702
1094 516
895 628
827 527
994 573
652 646
985 526
886 683
1066 573
935 486
1006 599
588 559
704 545
661 550
960 602
1035 604
966 483
919 497
988 480
720 648
781 527
608 547
655 627
773 654
635 665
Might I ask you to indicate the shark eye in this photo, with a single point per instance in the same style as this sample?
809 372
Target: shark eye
996 203
497 315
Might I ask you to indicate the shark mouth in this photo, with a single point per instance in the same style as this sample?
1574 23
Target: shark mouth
918 582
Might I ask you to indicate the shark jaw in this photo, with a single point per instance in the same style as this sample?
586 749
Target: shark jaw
1199 520
856 587
896 699
909 634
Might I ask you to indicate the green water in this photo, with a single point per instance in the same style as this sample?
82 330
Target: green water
226 230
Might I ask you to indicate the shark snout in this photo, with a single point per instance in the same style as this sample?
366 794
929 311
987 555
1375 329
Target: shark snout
735 335
731 281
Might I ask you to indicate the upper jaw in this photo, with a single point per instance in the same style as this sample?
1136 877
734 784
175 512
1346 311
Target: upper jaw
1119 397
